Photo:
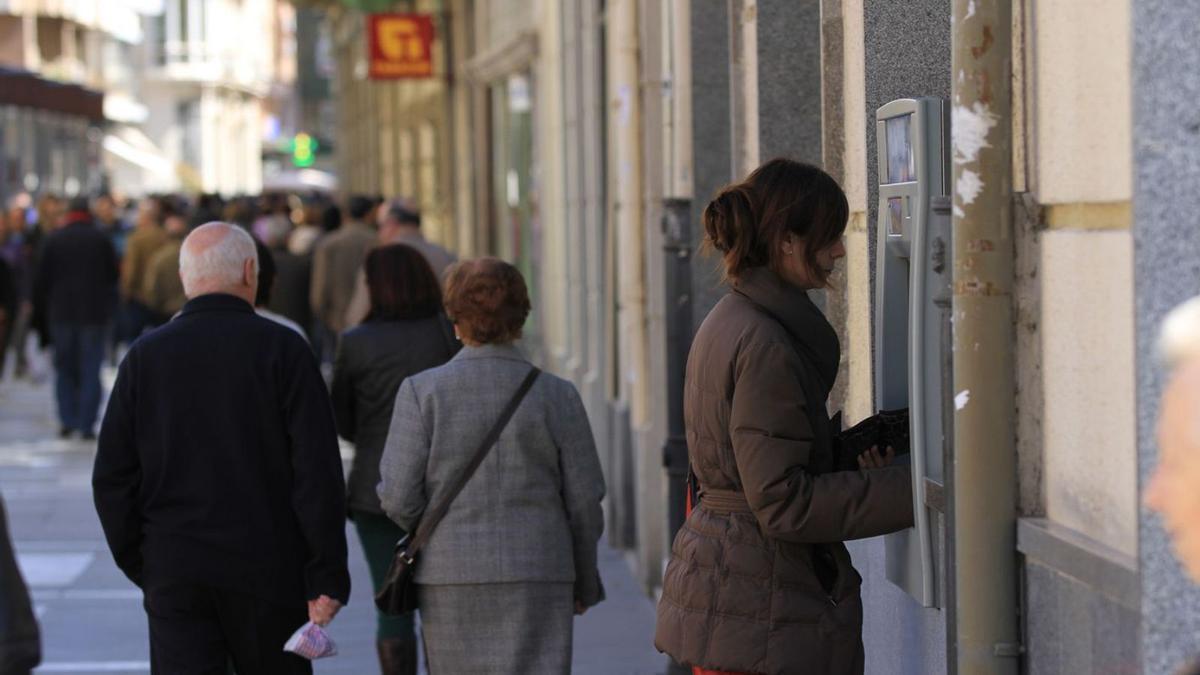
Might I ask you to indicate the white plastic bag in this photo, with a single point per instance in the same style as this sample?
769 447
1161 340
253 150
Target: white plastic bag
312 642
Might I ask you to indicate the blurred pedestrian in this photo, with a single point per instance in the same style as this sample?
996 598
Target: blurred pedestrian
20 638
76 277
218 480
8 294
309 230
49 210
515 557
337 260
109 221
331 218
162 288
759 581
266 283
240 211
208 208
289 296
399 223
404 334
17 251
147 237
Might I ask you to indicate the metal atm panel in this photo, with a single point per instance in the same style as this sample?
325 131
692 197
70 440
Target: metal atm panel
911 346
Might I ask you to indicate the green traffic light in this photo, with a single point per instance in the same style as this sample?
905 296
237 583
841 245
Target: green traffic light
304 150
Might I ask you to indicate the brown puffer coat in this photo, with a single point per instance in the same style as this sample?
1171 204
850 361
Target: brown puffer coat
759 581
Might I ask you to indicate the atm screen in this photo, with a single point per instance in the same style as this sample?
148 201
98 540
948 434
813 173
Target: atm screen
901 163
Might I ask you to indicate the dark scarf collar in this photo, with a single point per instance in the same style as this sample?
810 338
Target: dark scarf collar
792 308
221 302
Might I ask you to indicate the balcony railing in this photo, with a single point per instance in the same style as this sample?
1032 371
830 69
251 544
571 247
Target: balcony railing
201 60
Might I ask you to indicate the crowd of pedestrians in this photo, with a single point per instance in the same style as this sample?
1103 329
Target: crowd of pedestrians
250 335
218 476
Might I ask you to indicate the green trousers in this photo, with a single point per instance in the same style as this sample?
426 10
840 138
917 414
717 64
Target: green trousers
379 535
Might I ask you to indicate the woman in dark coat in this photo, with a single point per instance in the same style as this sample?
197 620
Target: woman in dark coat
759 580
404 334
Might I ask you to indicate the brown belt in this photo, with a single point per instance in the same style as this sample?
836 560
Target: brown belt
724 501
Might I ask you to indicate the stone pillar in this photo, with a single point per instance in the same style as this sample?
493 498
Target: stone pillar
1166 157
711 138
789 80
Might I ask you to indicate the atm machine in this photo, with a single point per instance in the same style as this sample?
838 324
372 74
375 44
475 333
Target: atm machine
912 325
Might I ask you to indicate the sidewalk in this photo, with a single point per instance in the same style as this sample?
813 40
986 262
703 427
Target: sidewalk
91 616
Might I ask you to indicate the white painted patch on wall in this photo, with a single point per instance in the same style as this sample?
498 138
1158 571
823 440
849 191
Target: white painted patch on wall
958 211
971 9
624 104
962 399
968 187
969 128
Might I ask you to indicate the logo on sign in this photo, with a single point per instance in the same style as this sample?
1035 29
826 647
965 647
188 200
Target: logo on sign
401 46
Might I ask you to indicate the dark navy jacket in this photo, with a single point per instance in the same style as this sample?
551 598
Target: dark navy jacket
218 461
76 275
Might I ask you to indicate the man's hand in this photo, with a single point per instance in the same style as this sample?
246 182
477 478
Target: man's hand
580 608
322 610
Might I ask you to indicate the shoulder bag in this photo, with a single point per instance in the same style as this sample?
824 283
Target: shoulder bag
398 594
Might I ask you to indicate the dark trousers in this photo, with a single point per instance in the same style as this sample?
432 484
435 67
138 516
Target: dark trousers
200 630
78 354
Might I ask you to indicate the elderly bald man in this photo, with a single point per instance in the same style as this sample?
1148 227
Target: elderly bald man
218 479
1174 488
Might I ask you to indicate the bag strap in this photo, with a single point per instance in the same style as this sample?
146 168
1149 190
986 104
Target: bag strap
430 521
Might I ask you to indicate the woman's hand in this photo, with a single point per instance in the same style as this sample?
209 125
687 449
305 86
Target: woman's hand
580 608
872 459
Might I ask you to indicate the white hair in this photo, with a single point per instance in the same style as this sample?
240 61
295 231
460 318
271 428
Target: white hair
220 261
1179 338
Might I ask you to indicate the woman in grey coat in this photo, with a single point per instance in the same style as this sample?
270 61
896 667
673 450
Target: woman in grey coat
514 559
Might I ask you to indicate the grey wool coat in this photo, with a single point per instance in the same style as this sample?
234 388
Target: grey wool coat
531 513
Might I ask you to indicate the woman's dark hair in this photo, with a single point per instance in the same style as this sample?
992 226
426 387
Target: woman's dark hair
331 218
487 299
748 221
402 285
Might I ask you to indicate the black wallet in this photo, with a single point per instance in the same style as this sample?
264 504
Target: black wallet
886 428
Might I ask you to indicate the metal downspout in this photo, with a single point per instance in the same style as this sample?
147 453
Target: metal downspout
677 243
984 469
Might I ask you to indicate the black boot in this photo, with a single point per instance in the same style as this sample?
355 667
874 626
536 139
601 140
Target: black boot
398 656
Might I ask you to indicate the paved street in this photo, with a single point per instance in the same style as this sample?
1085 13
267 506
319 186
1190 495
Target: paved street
92 620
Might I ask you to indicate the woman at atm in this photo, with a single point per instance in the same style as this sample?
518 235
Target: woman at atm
759 580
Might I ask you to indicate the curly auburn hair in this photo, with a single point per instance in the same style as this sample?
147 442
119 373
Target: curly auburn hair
487 299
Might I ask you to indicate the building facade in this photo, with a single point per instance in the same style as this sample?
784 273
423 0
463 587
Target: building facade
582 140
65 65
212 73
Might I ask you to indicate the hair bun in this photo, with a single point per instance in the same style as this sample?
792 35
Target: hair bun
729 220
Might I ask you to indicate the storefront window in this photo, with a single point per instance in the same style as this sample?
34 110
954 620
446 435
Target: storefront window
517 229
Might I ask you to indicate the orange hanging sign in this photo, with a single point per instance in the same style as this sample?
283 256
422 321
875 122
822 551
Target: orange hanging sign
401 46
